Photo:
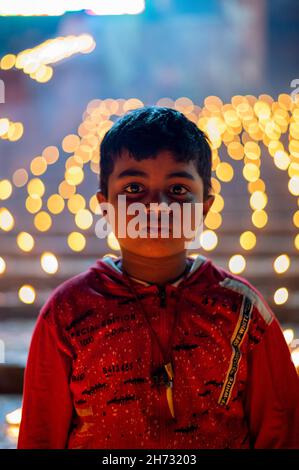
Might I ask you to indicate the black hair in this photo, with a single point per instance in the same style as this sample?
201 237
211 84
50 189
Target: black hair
146 131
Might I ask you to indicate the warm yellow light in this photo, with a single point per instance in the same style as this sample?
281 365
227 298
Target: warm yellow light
36 188
293 169
15 131
5 189
235 150
94 205
237 264
208 240
6 220
248 240
42 221
231 118
51 154
43 74
20 177
184 104
49 263
8 62
55 203
288 335
2 265
259 218
296 242
70 143
193 255
113 242
281 264
216 185
282 160
76 241
38 166
27 294
281 295
296 219
257 185
74 175
33 205
295 357
252 150
74 161
66 190
272 130
213 220
14 418
258 200
12 432
213 103
4 126
251 172
83 219
224 171
293 185
275 146
262 110
25 241
294 148
218 203
132 103
76 203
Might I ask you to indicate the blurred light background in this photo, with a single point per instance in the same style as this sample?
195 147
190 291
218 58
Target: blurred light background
65 77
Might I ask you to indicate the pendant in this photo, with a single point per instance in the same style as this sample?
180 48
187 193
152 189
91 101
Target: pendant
163 376
169 393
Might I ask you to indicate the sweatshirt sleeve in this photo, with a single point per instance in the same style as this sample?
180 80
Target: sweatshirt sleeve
47 403
272 397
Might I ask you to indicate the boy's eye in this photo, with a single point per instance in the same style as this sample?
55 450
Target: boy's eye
179 190
134 188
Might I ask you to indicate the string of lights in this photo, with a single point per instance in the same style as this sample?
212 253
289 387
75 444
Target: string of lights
247 129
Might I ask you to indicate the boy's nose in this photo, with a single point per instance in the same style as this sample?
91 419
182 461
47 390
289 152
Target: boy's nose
153 203
157 197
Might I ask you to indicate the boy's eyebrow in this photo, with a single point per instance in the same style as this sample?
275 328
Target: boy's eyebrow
135 172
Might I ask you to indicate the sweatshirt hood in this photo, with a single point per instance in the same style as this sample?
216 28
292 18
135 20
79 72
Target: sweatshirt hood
113 282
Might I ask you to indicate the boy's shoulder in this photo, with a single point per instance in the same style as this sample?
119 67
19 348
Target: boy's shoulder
71 298
232 284
254 315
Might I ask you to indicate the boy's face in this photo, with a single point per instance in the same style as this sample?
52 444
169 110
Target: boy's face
156 180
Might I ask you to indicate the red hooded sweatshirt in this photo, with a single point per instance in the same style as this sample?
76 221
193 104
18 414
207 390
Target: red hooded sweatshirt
88 380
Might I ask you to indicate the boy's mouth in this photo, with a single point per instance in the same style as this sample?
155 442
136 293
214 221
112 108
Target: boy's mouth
157 228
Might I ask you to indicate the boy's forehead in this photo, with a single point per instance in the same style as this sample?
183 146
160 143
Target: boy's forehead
164 159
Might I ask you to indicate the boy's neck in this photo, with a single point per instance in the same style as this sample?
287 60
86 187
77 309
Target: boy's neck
154 270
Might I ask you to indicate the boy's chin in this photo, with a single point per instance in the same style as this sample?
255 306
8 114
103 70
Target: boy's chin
154 247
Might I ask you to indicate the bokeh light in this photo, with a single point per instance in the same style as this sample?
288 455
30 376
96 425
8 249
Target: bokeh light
25 241
281 295
27 294
49 263
237 264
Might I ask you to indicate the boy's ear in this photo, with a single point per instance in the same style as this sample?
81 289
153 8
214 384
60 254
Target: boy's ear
100 196
101 199
207 205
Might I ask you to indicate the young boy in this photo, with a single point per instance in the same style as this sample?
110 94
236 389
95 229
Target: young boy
156 349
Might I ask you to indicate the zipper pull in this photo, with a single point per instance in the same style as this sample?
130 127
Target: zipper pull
162 295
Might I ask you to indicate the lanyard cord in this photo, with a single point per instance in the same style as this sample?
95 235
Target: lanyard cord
165 354
167 367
